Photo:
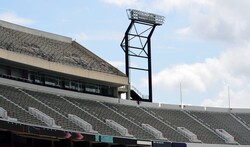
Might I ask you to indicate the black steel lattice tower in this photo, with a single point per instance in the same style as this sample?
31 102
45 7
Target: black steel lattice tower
137 43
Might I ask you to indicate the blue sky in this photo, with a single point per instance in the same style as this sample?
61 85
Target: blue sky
204 44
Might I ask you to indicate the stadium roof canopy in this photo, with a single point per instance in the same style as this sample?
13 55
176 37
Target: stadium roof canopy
54 52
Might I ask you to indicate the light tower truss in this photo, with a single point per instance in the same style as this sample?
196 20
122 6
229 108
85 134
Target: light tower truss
137 43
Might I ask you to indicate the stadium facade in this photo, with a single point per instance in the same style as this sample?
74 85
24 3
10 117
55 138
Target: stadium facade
55 92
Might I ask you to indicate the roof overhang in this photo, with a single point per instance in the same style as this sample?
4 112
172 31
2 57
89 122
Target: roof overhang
64 69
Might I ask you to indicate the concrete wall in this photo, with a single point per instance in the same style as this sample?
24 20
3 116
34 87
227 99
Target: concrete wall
128 102
52 66
169 106
238 110
194 108
140 104
216 109
148 104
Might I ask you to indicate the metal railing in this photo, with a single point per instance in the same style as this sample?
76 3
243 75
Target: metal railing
138 92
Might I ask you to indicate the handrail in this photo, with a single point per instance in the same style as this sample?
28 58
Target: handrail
138 92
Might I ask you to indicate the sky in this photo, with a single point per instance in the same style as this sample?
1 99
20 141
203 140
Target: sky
202 46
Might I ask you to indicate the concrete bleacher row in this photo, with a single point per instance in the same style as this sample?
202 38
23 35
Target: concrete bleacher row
202 123
71 54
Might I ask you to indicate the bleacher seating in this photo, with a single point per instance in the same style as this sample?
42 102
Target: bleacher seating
244 117
178 118
103 113
66 107
158 134
223 120
228 137
20 114
16 102
139 116
122 130
189 134
81 123
53 50
24 101
4 115
43 117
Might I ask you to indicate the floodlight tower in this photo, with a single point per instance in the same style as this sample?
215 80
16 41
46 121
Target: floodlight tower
137 43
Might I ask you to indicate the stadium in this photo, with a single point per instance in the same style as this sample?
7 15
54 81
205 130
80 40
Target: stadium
55 92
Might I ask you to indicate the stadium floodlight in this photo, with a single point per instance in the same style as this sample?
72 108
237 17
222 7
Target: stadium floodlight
137 46
145 17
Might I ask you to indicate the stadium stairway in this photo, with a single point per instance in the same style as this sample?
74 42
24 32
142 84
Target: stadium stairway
65 106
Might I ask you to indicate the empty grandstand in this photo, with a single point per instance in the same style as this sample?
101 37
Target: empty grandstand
55 92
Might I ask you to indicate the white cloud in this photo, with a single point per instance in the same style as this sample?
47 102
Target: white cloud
169 5
12 17
184 31
220 23
224 21
121 2
232 68
192 76
234 98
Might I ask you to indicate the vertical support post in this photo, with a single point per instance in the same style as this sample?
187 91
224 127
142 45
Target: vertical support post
228 94
126 55
181 96
150 87
127 66
126 49
150 91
